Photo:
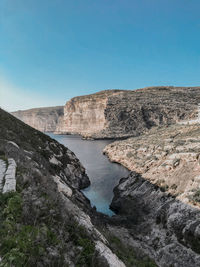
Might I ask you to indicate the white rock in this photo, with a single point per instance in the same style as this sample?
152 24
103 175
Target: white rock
10 180
13 143
55 161
108 255
62 187
2 172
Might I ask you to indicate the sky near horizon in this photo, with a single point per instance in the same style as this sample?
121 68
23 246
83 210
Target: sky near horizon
52 50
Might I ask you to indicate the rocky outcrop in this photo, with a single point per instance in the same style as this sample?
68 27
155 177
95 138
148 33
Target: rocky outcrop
9 178
46 119
46 221
150 219
167 157
158 204
125 113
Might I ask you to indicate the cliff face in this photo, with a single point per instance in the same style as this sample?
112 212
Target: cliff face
159 202
42 119
167 157
44 218
117 113
121 113
85 115
158 223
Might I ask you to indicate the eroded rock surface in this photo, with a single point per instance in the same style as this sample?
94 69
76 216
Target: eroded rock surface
46 119
10 179
47 220
125 113
158 204
117 113
167 157
156 222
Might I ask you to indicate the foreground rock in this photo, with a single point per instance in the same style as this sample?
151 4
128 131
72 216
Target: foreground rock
158 203
167 157
46 119
46 221
157 223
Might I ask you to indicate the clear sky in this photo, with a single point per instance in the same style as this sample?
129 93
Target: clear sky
52 50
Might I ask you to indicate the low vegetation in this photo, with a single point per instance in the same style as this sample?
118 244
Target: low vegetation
25 244
128 255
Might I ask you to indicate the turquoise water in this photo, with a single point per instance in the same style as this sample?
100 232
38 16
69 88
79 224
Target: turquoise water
103 174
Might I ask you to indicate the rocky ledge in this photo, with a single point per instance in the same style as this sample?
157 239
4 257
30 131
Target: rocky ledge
44 217
168 157
156 222
125 113
158 204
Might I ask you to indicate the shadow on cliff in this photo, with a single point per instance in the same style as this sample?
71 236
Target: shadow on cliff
143 207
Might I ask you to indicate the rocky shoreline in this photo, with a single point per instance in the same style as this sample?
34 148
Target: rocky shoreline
47 221
157 205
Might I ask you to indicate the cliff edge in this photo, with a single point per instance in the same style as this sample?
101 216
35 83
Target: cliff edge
46 119
125 113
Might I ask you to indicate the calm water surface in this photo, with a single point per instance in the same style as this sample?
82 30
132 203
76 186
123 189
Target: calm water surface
103 174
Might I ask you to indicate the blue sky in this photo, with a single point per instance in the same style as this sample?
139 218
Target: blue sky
52 50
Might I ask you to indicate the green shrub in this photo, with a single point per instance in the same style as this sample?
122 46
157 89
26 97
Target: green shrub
128 255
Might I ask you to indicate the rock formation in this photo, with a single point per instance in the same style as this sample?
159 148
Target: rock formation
158 204
46 119
125 113
167 157
156 222
117 113
46 221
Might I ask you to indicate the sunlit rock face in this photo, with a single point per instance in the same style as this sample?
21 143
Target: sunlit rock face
125 113
86 114
118 113
43 119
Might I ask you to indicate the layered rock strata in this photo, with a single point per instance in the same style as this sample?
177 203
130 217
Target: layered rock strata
125 113
117 113
46 119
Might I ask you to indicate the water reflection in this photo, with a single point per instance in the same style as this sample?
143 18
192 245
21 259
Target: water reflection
103 174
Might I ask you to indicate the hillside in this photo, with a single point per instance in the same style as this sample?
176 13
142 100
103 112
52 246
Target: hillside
44 218
159 202
45 119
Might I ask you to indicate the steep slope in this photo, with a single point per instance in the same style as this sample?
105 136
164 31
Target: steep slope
123 113
86 114
44 217
43 119
158 204
117 113
167 157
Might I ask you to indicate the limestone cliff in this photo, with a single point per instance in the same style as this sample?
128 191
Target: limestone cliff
85 115
124 113
117 113
43 119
